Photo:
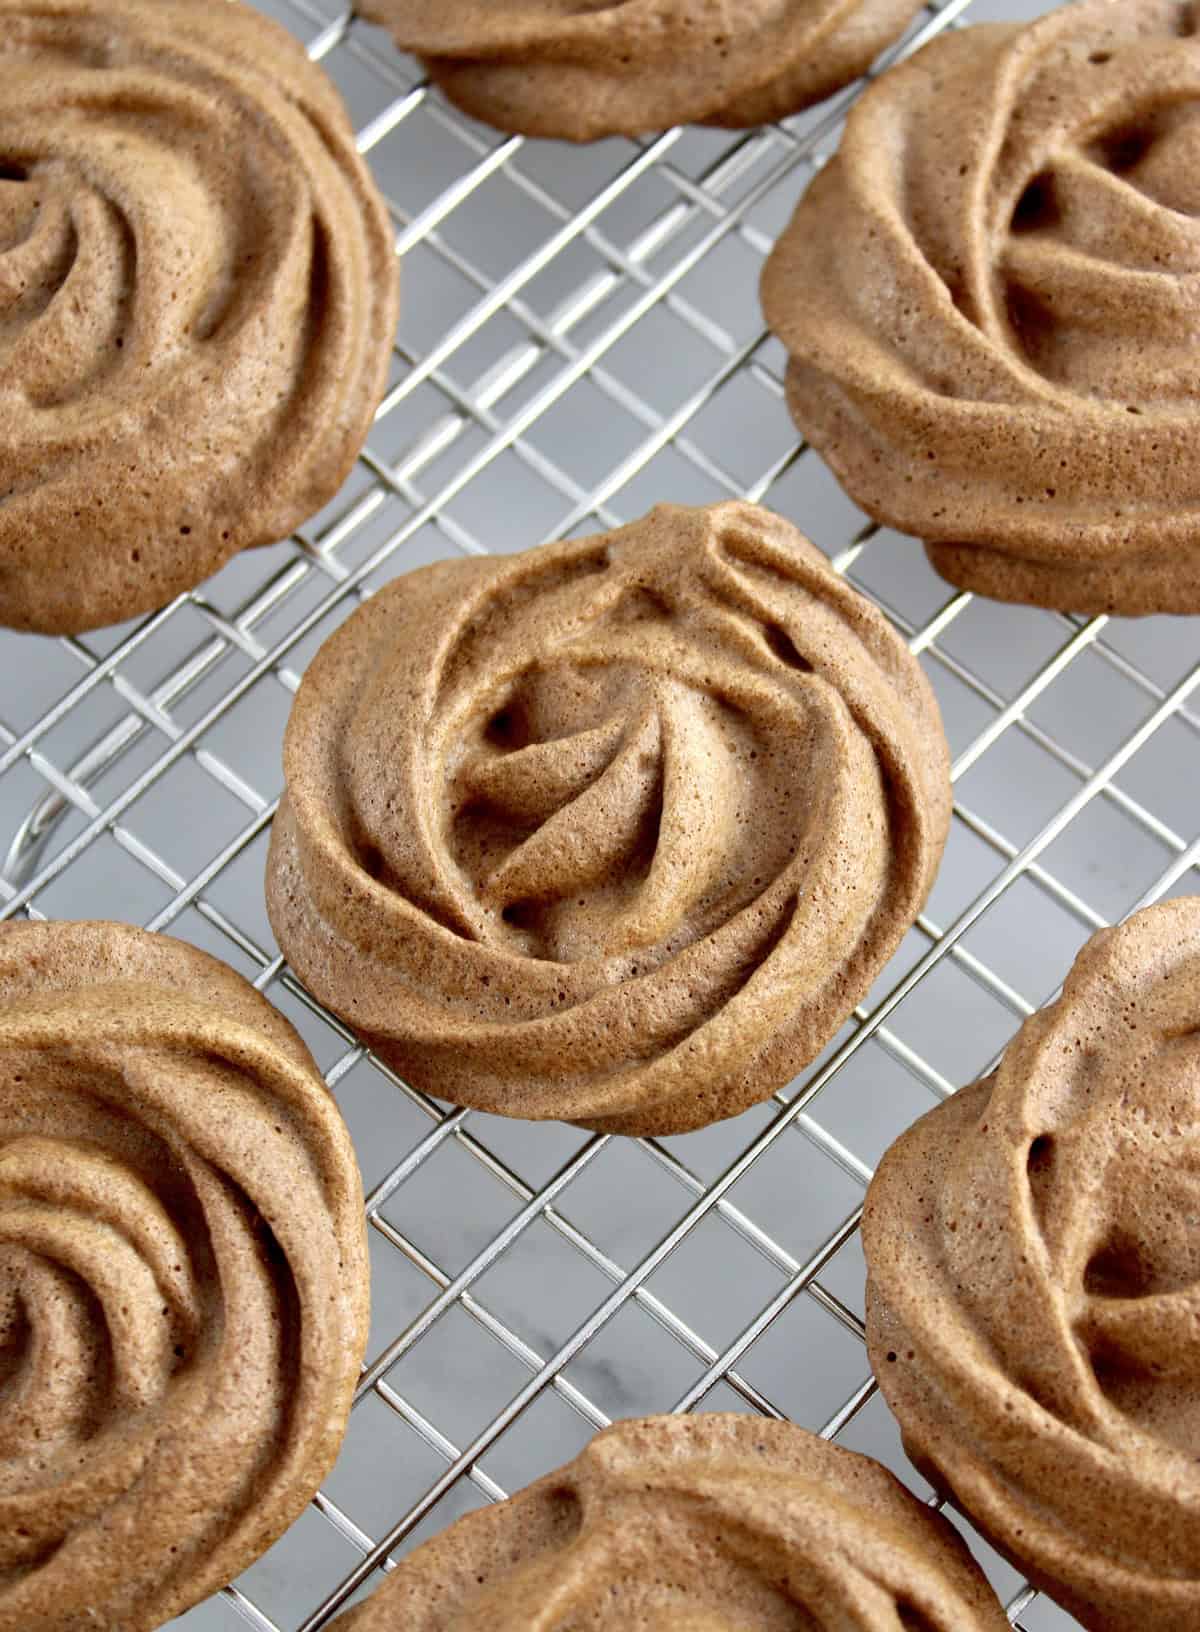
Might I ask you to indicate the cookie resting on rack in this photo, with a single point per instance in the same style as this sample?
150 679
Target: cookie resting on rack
618 830
183 1277
1033 1297
698 1523
557 68
991 299
197 299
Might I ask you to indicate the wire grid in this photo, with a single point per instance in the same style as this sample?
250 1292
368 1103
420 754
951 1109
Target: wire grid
529 1283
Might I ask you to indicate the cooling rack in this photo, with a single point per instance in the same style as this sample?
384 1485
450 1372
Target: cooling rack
580 339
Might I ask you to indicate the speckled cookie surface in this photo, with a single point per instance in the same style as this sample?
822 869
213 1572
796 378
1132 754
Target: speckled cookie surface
1034 1285
183 1281
701 1524
618 830
991 298
559 68
197 299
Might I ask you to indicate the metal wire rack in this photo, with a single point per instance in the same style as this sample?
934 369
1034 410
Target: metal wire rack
581 338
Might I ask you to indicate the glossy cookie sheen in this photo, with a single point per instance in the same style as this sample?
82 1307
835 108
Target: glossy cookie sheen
697 1524
197 299
1033 1310
579 71
991 298
183 1277
618 830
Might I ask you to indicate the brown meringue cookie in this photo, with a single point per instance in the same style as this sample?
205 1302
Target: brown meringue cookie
183 1277
991 297
581 71
618 830
704 1523
1033 1310
197 299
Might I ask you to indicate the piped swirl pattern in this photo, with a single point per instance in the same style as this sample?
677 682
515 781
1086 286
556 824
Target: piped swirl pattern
618 830
694 1524
1034 1285
183 1282
197 298
991 298
581 69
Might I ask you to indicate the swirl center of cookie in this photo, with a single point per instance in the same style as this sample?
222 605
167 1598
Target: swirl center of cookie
1102 255
640 772
605 807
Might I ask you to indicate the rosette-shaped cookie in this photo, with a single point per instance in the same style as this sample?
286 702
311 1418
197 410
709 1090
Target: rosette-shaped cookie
619 830
694 1524
183 1282
197 299
559 68
991 298
1033 1308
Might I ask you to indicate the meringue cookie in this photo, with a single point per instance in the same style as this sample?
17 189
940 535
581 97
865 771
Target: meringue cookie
183 1277
697 1524
555 68
618 830
1033 1303
991 298
197 299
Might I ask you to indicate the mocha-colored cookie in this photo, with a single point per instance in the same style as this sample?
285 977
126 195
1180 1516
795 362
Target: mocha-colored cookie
700 1524
619 830
991 297
197 299
183 1277
1033 1308
558 68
